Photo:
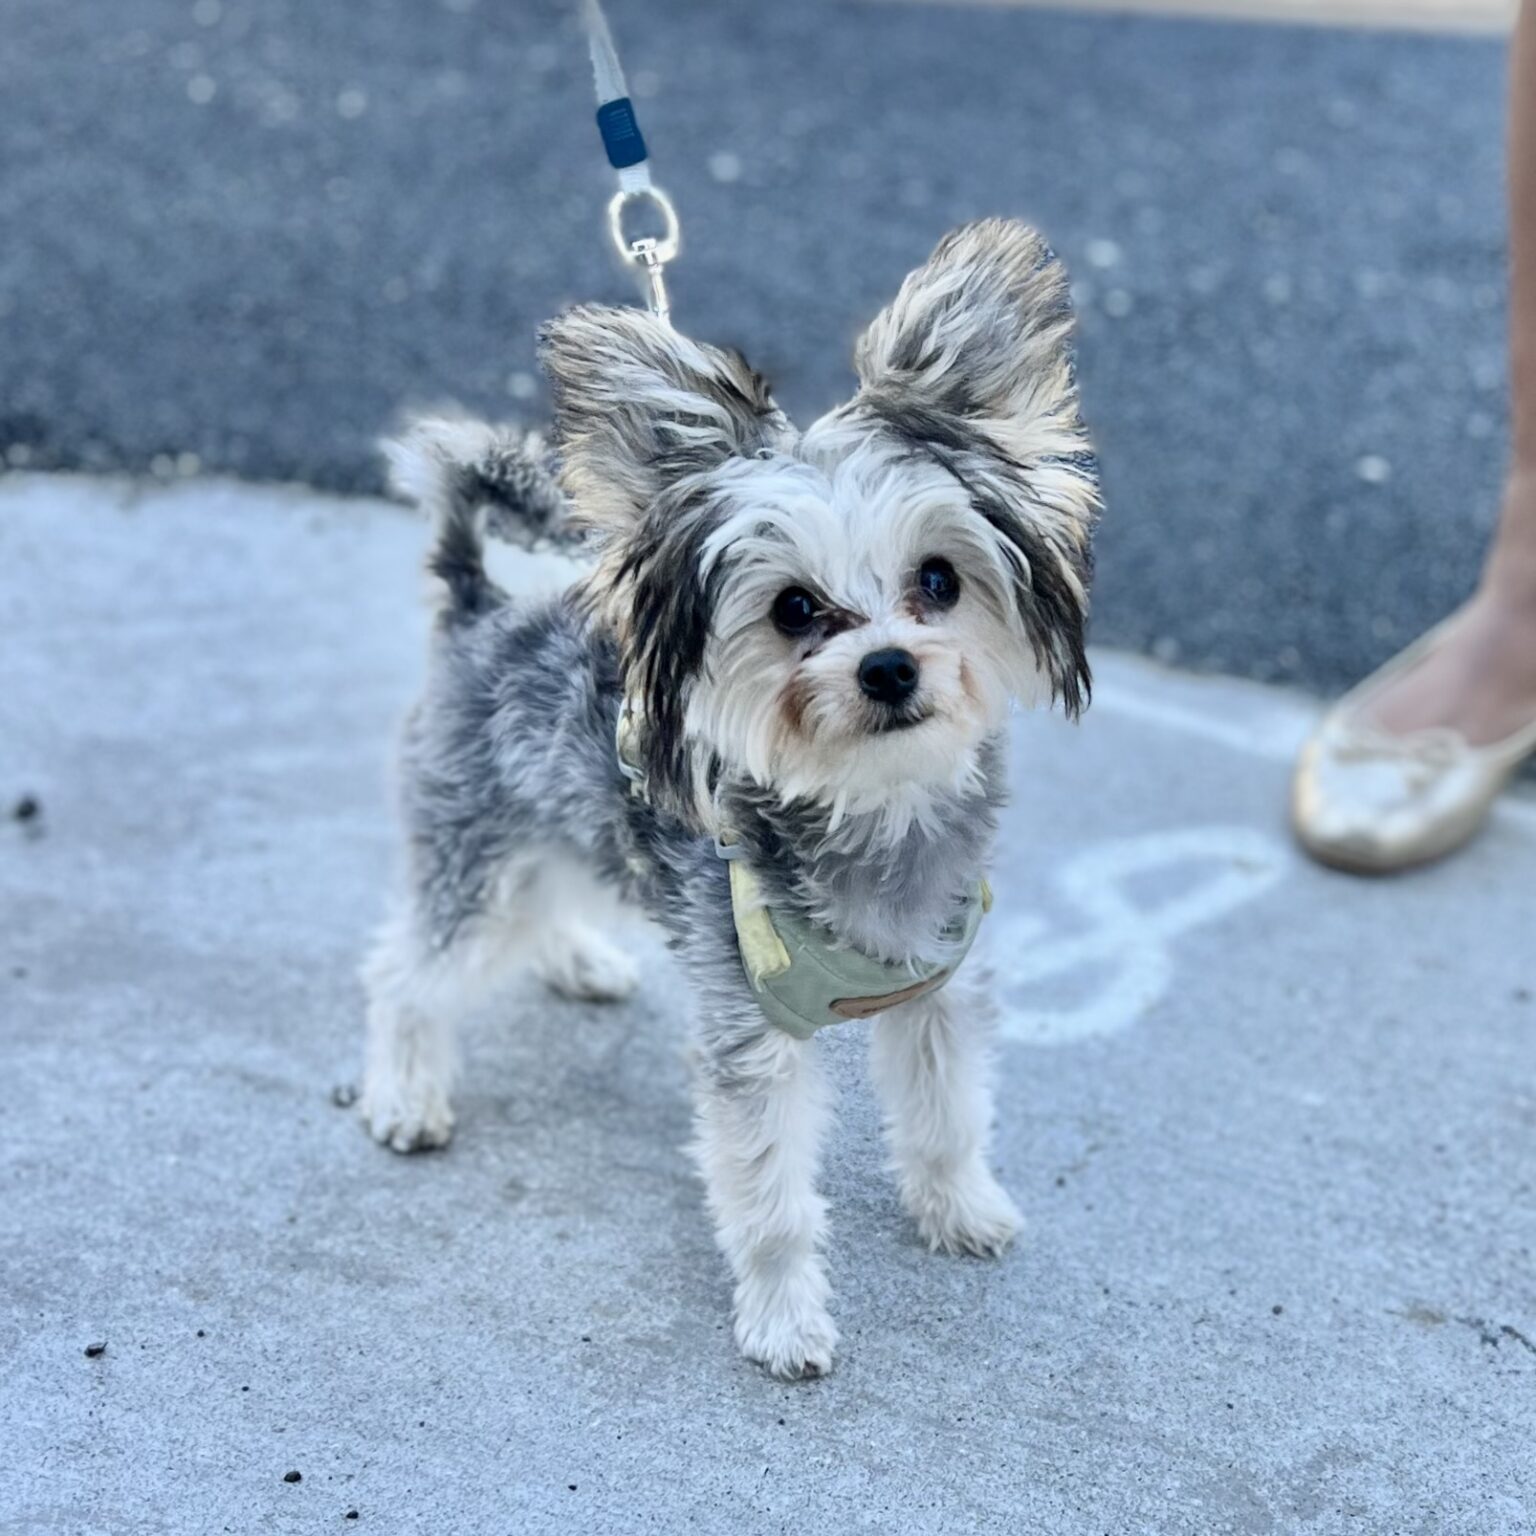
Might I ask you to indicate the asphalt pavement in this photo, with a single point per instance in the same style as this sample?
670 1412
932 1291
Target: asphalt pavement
240 237
1270 1128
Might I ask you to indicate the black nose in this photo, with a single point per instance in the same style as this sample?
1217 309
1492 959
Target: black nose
888 676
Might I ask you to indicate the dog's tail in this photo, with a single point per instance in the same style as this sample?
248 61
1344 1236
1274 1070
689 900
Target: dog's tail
475 479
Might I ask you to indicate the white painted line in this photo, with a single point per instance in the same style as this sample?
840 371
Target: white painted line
1124 945
1277 734
1244 718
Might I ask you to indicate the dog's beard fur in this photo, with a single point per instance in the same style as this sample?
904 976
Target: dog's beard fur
963 443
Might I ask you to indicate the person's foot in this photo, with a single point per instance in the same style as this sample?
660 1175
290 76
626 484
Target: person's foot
1406 767
1478 679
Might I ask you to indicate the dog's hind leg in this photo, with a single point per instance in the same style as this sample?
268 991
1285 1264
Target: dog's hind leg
761 1107
417 993
931 1066
566 911
578 962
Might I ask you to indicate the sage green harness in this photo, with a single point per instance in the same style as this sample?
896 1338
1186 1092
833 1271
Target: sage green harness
802 976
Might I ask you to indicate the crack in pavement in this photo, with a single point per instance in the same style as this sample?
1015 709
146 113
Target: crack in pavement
1491 1333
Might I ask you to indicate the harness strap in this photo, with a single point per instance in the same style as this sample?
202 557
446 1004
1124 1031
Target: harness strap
802 977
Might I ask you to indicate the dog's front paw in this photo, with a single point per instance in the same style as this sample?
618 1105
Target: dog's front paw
579 964
783 1324
796 1346
973 1215
405 1117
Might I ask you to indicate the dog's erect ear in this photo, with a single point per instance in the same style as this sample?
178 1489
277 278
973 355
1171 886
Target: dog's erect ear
638 406
971 363
980 332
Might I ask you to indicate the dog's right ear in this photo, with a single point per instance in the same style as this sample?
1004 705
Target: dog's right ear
637 406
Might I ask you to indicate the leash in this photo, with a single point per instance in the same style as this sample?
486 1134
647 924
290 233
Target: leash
625 147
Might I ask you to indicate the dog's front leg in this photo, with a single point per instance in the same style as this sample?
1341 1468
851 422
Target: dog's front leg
761 1106
931 1067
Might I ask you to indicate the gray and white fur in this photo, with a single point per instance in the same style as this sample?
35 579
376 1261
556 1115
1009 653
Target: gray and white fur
822 632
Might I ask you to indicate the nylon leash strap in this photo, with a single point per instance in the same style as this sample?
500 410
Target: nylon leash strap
625 147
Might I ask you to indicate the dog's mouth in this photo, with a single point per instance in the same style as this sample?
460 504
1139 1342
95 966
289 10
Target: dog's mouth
894 722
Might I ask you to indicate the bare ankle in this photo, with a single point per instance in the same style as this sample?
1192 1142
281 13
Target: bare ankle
1509 575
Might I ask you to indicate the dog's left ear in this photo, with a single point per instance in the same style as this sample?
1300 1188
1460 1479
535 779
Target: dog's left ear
972 363
980 332
638 406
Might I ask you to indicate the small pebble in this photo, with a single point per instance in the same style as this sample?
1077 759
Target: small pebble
28 808
293 1477
93 1350
351 1514
1277 1309
344 1095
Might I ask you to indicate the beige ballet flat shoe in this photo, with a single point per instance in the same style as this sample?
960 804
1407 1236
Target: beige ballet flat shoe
1373 803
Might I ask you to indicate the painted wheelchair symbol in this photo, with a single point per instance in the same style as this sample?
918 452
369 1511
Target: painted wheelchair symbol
1124 947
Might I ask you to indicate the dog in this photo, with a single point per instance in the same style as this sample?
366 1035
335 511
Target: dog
772 710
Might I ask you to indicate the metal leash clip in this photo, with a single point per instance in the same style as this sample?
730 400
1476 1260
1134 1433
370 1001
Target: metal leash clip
624 145
650 253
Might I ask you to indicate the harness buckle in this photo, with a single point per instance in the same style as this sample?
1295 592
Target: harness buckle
626 749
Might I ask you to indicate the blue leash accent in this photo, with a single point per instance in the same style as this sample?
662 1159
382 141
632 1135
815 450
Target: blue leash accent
621 133
622 139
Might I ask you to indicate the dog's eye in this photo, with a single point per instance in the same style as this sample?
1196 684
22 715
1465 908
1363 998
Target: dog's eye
794 610
938 583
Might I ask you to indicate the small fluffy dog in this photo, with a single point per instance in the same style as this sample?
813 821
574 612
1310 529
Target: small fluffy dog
813 639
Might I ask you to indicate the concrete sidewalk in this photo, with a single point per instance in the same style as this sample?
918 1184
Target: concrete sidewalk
1478 16
1273 1129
